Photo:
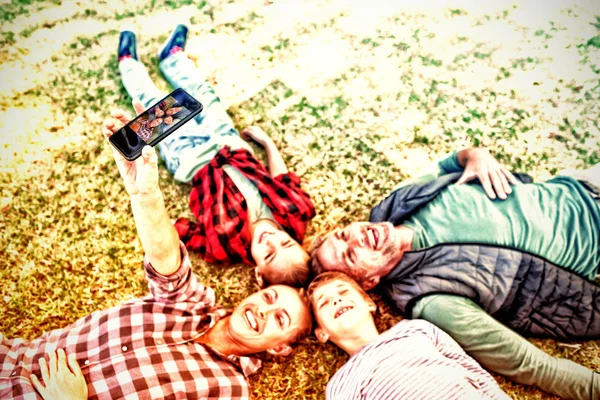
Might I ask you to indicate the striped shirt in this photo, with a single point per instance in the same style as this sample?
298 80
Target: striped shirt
413 360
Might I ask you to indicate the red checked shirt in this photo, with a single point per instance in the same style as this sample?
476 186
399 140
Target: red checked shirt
144 132
221 233
142 349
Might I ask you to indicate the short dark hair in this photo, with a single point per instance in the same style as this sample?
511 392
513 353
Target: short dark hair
316 266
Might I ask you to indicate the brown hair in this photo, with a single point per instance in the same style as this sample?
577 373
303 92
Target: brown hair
329 276
315 265
306 325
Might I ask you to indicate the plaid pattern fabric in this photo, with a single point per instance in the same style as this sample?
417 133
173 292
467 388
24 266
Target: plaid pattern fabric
142 349
221 233
145 132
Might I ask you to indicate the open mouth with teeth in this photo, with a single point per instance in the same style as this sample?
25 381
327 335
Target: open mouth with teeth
372 237
251 320
342 311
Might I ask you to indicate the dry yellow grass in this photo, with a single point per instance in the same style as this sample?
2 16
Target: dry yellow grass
358 95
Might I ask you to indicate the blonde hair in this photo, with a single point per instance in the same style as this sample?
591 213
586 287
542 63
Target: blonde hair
297 274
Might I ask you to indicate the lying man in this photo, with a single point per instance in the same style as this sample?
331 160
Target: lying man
244 213
412 360
449 254
174 343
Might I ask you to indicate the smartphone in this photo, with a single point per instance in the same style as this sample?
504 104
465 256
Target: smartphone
155 124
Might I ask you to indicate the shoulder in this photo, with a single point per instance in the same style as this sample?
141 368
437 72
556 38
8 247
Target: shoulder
347 382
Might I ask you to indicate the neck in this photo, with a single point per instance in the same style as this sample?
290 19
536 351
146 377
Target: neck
353 343
403 238
219 338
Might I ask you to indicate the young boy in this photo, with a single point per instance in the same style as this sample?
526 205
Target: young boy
412 360
244 213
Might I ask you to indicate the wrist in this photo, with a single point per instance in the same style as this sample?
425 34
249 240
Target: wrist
462 157
269 144
142 198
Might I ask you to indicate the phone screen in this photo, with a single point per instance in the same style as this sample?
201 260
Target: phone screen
154 124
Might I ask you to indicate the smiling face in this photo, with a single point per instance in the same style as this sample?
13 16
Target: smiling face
155 122
362 250
340 306
158 112
173 110
270 319
278 257
168 120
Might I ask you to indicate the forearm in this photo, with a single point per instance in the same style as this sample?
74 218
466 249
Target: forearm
157 234
276 164
499 349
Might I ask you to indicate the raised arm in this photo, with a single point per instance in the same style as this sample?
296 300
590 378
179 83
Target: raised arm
276 163
157 234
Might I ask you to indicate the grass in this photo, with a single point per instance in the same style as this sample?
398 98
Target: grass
358 96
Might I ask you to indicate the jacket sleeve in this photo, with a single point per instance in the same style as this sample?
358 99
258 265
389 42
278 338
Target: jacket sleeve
306 209
501 350
445 165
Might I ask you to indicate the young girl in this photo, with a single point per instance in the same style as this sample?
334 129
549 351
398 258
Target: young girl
244 213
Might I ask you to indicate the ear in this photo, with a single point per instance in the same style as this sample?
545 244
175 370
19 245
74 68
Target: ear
259 277
321 335
281 350
372 306
370 283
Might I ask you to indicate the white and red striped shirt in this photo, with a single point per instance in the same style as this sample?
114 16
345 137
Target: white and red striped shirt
413 360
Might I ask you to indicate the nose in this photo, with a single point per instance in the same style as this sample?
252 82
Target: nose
269 243
337 301
265 310
356 240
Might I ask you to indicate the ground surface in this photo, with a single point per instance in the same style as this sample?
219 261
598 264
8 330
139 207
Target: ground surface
359 95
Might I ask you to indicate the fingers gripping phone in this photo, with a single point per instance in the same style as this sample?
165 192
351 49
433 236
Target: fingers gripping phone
155 124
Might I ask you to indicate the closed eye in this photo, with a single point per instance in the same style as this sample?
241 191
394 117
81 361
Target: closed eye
270 256
348 257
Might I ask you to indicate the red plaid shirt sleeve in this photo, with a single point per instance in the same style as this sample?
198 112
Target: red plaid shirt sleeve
181 286
221 231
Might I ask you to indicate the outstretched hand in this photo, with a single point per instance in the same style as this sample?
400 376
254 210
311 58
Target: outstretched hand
141 175
494 177
60 381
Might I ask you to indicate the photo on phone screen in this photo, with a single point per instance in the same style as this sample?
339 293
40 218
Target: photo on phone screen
156 123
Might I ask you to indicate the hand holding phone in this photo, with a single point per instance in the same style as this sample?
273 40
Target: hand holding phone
155 123
140 176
